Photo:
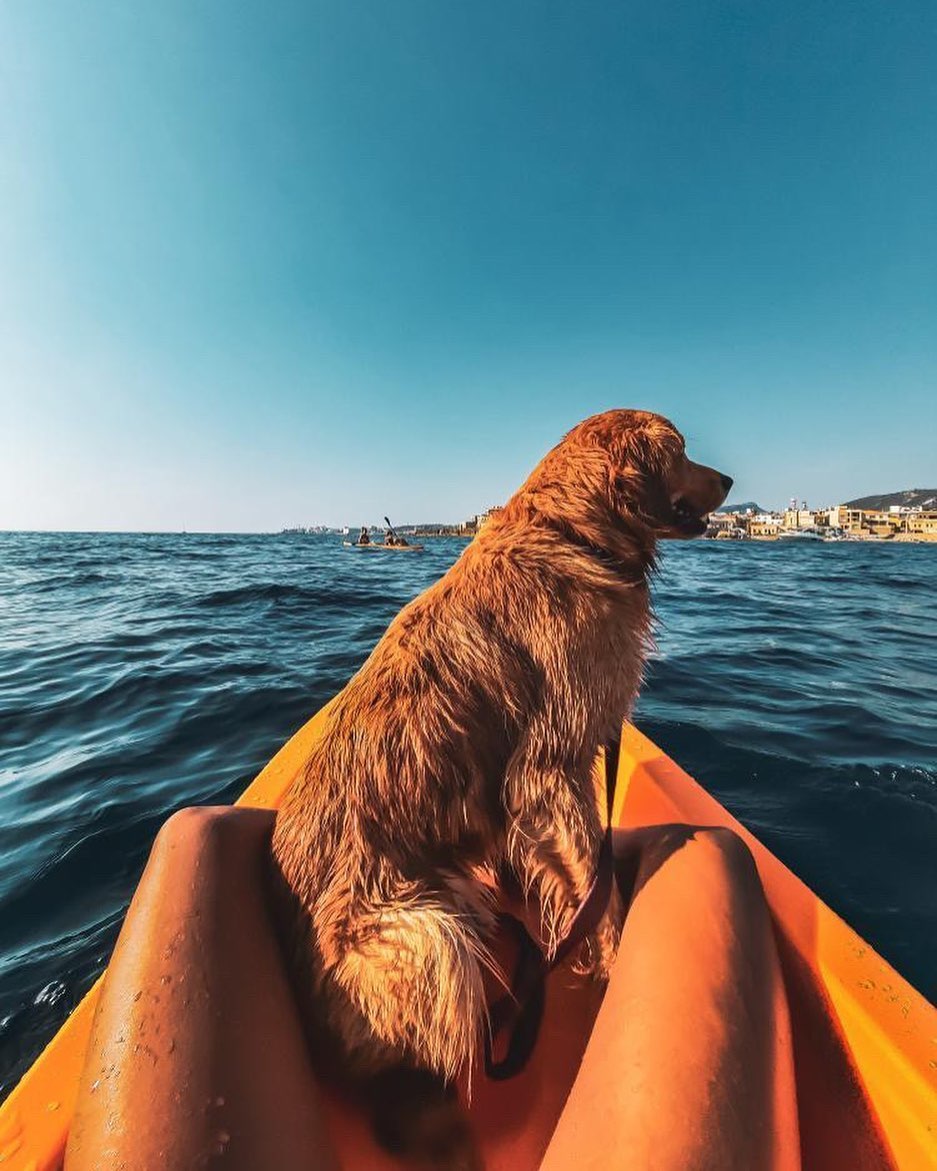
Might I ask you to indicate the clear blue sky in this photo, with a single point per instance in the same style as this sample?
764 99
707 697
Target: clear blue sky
265 263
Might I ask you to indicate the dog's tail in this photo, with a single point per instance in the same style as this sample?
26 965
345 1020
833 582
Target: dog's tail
413 969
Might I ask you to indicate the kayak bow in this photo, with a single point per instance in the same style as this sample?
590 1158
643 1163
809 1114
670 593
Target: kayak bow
865 1042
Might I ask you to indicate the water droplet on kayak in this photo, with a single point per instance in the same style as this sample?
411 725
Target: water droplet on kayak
167 979
94 1085
53 1106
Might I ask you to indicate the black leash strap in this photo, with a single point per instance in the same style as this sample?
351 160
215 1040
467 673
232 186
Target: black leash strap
521 1008
523 1005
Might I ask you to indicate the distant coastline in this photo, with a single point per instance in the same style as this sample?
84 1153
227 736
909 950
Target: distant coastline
909 516
425 531
903 517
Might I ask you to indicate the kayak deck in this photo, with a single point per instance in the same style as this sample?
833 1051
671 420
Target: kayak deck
865 1042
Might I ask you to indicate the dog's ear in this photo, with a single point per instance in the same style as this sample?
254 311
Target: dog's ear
642 493
641 473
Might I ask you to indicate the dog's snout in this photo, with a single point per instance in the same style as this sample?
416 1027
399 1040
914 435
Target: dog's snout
726 481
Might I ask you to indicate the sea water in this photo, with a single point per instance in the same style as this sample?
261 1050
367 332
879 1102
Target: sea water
141 673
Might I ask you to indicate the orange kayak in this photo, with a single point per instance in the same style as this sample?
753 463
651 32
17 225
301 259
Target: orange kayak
865 1042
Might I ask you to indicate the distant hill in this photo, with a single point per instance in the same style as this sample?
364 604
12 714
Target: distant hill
743 507
910 498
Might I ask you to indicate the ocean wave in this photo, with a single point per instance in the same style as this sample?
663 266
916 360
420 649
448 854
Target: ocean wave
276 592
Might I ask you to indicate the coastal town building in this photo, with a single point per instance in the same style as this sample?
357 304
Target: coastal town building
476 523
725 525
763 526
837 522
799 517
923 524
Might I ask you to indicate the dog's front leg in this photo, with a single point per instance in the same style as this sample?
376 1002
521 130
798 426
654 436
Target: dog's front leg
553 843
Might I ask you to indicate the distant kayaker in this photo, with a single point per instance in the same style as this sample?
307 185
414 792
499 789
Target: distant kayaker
392 539
364 537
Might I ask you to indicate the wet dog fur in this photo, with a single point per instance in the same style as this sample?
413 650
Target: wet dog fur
465 746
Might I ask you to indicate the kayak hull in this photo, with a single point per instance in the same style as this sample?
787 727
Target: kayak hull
865 1042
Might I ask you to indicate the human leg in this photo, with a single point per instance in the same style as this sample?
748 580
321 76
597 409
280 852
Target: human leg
689 1065
197 1049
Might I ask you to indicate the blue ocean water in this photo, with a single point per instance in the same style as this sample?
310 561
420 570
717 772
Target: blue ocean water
141 673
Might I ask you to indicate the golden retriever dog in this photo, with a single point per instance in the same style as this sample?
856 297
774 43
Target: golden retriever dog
465 746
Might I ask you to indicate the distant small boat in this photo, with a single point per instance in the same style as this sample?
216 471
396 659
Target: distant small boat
376 548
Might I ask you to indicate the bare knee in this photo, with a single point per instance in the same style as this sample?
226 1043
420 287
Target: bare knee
190 828
727 851
730 845
201 831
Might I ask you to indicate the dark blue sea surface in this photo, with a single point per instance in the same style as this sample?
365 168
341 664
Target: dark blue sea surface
141 673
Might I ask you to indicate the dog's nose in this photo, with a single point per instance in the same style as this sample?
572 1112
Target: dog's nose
727 481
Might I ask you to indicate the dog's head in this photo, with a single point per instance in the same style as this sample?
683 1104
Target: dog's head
637 462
